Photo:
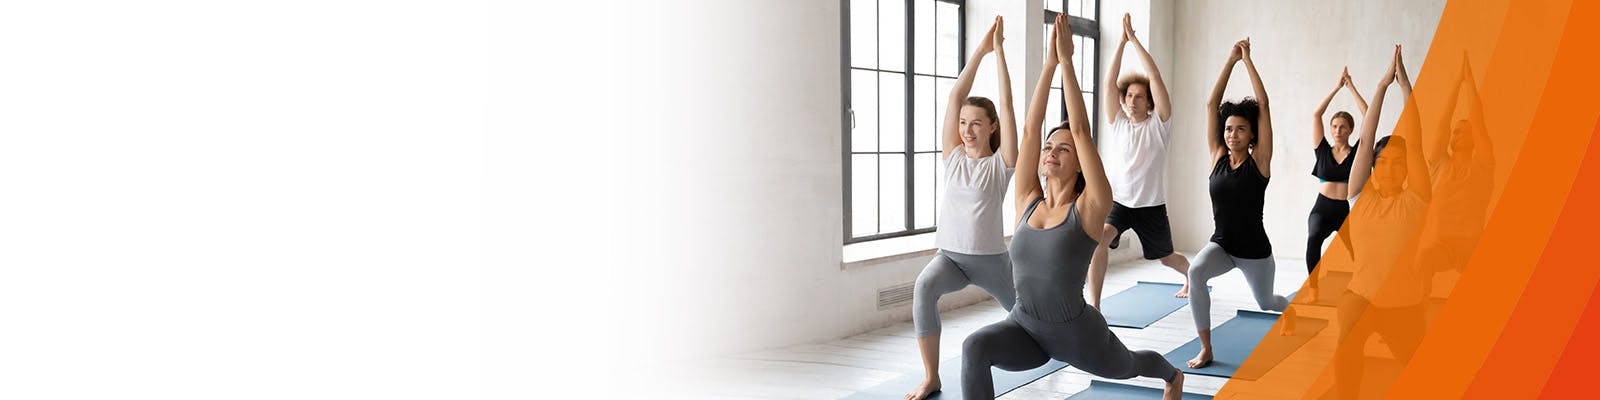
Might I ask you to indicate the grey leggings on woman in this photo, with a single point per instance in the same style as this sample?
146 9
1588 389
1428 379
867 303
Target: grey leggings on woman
1212 262
951 271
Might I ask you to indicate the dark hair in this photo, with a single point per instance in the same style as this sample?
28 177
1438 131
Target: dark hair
1129 80
994 119
1247 109
1377 149
1064 126
1346 117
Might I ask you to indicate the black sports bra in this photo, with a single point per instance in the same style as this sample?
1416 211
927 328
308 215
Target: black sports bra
1329 170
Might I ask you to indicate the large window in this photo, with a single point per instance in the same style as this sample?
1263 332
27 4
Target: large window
903 58
1083 16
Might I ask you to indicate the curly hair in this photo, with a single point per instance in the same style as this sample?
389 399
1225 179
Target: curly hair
1248 109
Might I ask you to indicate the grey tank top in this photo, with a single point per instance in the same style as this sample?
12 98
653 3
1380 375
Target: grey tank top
1050 266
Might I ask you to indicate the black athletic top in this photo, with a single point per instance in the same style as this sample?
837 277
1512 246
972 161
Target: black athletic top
1329 170
1237 197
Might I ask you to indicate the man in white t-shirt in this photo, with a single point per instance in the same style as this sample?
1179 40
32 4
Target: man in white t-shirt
1135 154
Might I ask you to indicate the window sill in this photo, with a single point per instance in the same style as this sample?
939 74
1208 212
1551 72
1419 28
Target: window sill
889 250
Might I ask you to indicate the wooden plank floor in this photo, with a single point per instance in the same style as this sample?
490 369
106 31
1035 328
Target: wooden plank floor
842 367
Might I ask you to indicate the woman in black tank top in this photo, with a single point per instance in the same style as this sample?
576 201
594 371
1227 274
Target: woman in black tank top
1333 172
1240 143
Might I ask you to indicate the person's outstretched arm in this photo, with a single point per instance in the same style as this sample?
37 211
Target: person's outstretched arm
1438 147
1095 201
1263 149
1361 102
1026 178
958 95
1317 133
1004 103
1361 167
1214 104
1482 151
1158 87
1113 96
1418 177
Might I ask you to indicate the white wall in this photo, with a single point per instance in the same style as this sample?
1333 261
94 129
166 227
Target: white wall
734 141
1299 48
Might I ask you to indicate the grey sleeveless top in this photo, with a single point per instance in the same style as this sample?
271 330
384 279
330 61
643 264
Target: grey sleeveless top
1050 266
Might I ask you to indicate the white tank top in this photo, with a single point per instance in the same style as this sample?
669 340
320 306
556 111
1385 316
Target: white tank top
969 220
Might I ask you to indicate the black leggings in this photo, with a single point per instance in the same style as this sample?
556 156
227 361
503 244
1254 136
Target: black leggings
1326 216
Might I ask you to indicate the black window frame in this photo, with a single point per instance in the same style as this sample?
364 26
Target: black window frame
909 151
1088 28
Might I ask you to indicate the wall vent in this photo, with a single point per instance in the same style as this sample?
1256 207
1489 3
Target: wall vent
894 296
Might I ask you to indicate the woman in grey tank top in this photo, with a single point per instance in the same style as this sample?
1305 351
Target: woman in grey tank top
1050 255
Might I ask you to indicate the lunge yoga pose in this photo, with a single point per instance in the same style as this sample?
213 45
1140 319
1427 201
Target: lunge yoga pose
980 154
1462 161
1051 250
1136 162
1387 292
1332 169
1240 142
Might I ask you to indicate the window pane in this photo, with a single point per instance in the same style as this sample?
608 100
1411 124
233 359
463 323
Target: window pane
941 98
1053 5
1074 8
1086 64
864 102
1088 98
863 195
892 35
927 118
1089 7
938 190
864 33
949 38
924 53
1052 113
891 193
926 189
1084 70
892 108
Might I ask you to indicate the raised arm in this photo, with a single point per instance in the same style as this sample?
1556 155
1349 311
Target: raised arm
1263 149
1095 201
951 135
1008 113
1361 167
1214 104
1158 88
1026 177
1113 96
1418 177
1438 147
1317 133
1482 151
1361 102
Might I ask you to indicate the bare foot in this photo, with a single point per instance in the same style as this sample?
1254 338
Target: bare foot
1201 360
1174 390
1182 293
928 388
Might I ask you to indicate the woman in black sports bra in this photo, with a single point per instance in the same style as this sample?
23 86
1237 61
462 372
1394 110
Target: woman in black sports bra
1332 169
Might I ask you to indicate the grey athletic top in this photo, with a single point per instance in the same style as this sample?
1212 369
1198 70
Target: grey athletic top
1050 265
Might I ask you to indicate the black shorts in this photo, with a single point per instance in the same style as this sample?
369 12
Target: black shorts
1150 223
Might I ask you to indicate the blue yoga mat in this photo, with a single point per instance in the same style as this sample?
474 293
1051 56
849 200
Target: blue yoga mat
1235 340
1142 305
1333 285
950 376
1102 390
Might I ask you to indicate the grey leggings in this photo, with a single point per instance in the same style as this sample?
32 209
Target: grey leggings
1213 261
951 271
1021 342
